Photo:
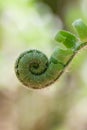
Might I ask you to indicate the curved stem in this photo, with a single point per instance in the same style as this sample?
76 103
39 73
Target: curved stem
81 46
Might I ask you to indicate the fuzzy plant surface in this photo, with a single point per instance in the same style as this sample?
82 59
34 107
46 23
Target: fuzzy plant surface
35 70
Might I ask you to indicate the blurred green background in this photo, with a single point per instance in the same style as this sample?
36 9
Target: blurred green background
33 24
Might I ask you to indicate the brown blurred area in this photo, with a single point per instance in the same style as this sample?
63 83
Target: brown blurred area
8 113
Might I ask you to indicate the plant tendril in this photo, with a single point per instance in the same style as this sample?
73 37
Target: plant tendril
35 70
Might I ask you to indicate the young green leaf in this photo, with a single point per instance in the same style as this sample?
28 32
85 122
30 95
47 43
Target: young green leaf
81 29
36 71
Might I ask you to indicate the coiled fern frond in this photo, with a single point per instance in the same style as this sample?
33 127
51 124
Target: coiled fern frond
36 71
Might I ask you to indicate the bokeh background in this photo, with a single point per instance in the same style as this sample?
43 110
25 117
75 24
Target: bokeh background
33 24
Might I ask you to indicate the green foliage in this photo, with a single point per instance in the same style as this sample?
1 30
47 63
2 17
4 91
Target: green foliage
81 29
33 68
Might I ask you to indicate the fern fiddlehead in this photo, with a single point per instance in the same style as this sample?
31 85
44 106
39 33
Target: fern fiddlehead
34 69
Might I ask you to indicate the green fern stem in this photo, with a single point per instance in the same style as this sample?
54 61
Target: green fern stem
36 71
